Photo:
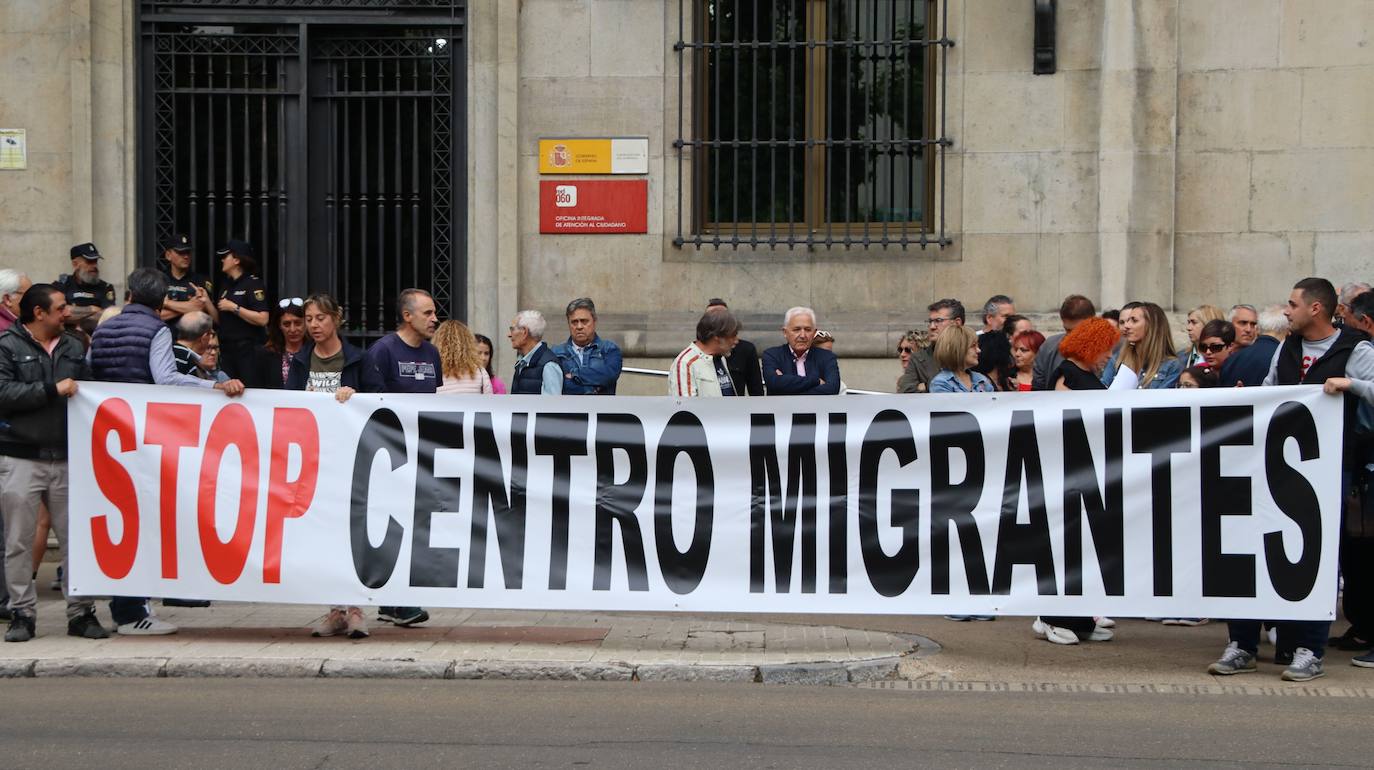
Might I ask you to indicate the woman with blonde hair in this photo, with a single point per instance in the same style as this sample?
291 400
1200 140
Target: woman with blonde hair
463 371
956 351
1146 359
1198 317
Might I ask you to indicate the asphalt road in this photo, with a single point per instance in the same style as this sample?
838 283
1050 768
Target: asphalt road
278 724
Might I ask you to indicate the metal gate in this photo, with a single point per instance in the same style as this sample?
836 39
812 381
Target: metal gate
328 133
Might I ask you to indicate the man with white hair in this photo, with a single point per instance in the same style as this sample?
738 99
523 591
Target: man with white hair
13 284
536 371
1348 294
1246 320
795 368
1249 365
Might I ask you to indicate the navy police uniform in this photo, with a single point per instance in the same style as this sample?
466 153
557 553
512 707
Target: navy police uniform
99 294
238 338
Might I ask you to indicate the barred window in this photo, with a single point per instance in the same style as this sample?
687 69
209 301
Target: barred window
809 122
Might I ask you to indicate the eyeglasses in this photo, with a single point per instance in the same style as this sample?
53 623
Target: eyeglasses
297 301
1215 347
905 349
935 321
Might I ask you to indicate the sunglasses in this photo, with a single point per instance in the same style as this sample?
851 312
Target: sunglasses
905 349
297 301
1215 347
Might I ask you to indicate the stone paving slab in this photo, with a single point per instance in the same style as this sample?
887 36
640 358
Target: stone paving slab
273 640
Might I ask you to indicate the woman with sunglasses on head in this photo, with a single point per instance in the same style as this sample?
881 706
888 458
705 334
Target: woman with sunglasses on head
1146 359
285 335
325 363
484 352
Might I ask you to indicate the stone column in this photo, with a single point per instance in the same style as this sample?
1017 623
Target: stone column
1136 150
493 172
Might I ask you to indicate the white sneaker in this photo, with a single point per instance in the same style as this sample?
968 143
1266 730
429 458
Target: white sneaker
149 626
1105 622
1054 634
356 624
1101 634
332 624
1061 635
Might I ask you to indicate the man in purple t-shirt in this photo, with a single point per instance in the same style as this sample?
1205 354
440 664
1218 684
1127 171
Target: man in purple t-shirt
408 363
405 359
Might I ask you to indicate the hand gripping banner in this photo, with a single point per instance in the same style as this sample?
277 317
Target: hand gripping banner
1198 503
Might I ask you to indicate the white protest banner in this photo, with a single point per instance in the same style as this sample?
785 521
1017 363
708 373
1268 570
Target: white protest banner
1198 503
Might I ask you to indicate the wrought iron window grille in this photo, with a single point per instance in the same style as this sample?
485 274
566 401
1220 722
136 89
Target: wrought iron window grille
329 133
812 123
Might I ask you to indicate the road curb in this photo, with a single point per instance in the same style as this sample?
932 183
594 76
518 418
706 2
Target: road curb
813 673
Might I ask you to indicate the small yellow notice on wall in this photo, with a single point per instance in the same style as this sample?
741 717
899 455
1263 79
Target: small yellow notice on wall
14 149
594 156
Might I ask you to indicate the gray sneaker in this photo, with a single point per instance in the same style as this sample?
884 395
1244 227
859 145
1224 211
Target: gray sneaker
1233 661
1305 667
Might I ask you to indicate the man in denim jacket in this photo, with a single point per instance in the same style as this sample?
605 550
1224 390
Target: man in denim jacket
591 365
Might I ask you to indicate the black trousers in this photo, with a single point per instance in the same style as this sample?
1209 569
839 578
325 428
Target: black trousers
1080 626
1357 567
237 358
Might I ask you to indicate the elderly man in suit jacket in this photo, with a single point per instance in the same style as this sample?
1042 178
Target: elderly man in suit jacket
796 368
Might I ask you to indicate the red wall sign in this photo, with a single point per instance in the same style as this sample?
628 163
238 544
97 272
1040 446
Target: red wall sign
594 206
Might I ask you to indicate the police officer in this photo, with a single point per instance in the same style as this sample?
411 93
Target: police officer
187 290
86 294
243 309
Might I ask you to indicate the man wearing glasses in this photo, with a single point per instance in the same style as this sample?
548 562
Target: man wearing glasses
922 368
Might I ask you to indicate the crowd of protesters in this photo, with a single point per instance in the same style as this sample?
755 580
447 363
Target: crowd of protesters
176 328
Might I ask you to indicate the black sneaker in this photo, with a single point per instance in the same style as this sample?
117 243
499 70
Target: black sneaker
87 626
1283 657
386 614
1349 642
408 616
21 628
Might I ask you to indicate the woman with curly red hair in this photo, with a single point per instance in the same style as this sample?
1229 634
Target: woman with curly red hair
1085 351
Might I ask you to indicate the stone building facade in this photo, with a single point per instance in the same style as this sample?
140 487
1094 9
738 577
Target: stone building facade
1185 151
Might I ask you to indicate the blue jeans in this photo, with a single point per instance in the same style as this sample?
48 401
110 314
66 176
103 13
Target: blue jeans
1311 634
126 609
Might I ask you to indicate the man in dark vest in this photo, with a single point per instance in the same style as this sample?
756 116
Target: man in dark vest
537 370
1314 352
136 346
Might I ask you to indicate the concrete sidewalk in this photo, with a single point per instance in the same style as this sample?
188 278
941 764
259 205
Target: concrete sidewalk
908 653
235 639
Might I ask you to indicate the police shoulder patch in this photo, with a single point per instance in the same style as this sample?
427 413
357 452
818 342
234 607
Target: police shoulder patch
259 294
